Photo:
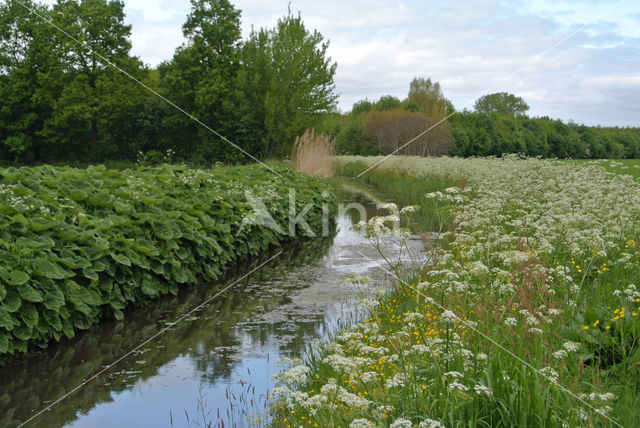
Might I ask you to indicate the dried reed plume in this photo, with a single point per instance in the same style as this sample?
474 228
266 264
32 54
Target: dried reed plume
313 154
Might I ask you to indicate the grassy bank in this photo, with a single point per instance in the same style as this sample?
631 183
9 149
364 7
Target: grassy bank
528 314
81 245
405 189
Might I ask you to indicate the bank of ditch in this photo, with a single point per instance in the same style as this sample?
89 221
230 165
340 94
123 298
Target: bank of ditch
526 315
81 245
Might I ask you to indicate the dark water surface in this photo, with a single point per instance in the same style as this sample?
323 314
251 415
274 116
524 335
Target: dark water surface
223 356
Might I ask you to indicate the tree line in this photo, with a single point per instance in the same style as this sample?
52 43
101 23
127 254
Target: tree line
498 124
80 95
83 96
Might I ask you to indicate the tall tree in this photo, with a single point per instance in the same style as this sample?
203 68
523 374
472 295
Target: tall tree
289 77
501 103
202 79
23 38
428 96
88 96
391 130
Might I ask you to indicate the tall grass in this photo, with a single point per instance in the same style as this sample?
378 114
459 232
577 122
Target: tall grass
313 154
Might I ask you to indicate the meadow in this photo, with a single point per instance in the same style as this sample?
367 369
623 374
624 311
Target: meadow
527 313
82 245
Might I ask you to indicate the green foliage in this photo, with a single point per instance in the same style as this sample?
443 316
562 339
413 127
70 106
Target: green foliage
501 103
387 103
287 53
88 96
22 41
351 140
81 245
428 96
481 134
202 79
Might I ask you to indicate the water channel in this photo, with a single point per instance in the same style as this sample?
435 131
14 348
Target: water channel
215 365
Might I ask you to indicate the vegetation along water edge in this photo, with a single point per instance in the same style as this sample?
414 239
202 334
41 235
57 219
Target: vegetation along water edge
81 245
526 315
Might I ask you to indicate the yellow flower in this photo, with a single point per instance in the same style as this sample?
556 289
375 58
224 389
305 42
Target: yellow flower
586 327
595 324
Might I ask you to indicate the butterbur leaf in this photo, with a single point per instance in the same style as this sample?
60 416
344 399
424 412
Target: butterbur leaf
79 296
48 269
22 332
4 342
88 273
6 320
118 315
121 258
29 314
29 294
54 298
82 323
39 224
53 319
17 277
12 301
67 329
163 231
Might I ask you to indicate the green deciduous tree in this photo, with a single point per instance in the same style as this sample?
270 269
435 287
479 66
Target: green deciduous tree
288 79
23 38
501 103
202 79
87 95
428 96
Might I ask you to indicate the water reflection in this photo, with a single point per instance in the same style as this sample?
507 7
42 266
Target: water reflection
226 350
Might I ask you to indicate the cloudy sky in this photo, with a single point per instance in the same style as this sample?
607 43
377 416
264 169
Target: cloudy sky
529 48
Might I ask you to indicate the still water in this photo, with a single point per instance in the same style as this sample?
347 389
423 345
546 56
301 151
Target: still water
213 366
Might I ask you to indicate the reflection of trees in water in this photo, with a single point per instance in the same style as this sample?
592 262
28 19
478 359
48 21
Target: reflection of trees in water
32 383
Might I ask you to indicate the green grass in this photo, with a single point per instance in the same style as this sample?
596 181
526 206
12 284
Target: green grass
405 190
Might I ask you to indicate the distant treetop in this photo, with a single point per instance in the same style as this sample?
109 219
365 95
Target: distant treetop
502 103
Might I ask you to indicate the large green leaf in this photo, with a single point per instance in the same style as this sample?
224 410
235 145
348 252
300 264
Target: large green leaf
6 320
49 269
163 230
54 298
23 332
29 314
29 293
79 297
12 301
4 342
121 259
15 277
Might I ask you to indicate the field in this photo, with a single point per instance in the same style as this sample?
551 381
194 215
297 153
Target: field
526 315
81 245
617 166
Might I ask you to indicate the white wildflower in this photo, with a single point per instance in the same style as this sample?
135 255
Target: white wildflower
430 423
448 317
401 423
